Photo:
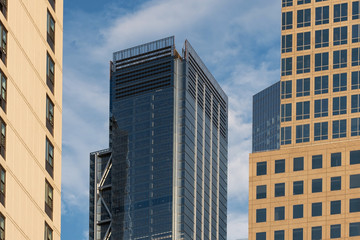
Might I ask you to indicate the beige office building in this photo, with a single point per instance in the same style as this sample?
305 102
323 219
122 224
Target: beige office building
307 186
31 34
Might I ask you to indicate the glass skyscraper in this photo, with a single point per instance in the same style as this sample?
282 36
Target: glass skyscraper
164 175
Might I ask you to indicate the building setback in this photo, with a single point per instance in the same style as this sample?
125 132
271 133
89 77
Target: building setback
165 173
309 188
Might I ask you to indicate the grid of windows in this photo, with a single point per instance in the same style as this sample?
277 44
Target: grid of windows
340 35
287 3
302 87
355 10
355 33
340 59
321 108
303 64
339 129
339 82
302 110
355 80
300 2
340 12
303 41
355 103
285 135
322 15
303 18
321 85
321 61
286 66
286 43
339 105
286 112
286 89
355 127
303 133
321 131
287 20
355 57
321 38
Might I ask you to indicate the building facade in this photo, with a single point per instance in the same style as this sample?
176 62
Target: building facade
309 188
165 173
30 118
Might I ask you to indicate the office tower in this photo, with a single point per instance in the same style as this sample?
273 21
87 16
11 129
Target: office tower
165 173
309 188
30 119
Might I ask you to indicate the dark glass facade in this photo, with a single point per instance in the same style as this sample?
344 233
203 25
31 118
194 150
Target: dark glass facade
167 160
266 119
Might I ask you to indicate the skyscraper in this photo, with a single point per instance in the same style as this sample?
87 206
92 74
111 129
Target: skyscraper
30 119
309 187
165 173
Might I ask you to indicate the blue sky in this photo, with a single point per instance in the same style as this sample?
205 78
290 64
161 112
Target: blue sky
239 41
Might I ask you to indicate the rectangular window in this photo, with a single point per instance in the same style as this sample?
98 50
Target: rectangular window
303 87
316 233
356 33
321 131
2 185
52 3
339 128
50 72
335 183
287 20
355 83
280 166
316 209
286 89
261 168
303 41
48 199
285 135
321 108
321 61
298 234
2 227
286 43
322 38
339 105
303 64
287 3
354 205
48 232
279 235
355 127
261 236
316 185
285 112
49 157
340 35
355 57
304 18
3 7
355 103
279 213
261 215
355 181
340 59
316 161
300 2
335 231
355 10
303 133
354 229
322 15
340 12
261 192
3 43
286 66
49 115
298 211
298 187
50 31
302 110
3 83
321 85
336 159
298 164
3 139
339 82
335 207
279 189
355 157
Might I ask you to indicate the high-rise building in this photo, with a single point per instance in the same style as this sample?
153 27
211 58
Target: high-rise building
30 118
309 188
165 173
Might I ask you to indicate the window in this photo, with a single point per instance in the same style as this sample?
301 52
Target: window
280 166
285 135
355 59
261 236
303 133
321 85
316 161
261 192
335 207
303 87
3 7
2 185
261 168
355 127
287 20
2 227
50 30
355 10
335 231
286 66
298 234
321 61
355 157
340 36
354 205
303 41
322 38
322 15
286 89
303 2
52 3
48 199
287 3
49 115
355 103
303 18
298 211
286 43
302 110
316 233
355 181
321 108
298 187
316 185
339 82
3 139
3 80
336 159
321 131
339 128
335 183
356 33
49 157
261 215
355 83
285 112
3 43
316 209
48 232
279 189
354 229
50 72
298 164
279 235
303 64
279 213
339 105
340 59
340 12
